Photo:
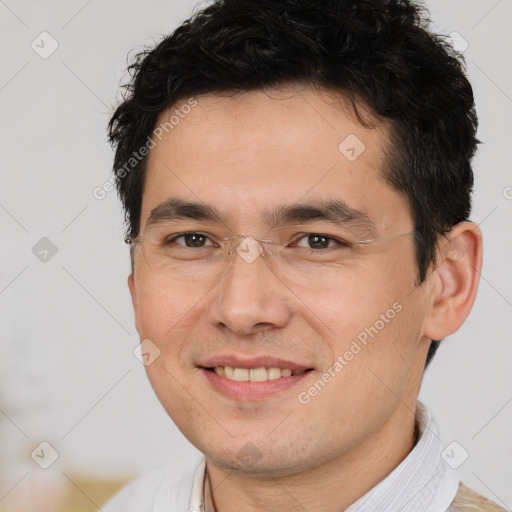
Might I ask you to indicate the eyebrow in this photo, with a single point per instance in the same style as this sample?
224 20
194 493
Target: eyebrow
175 208
334 211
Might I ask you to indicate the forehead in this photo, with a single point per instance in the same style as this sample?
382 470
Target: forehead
251 151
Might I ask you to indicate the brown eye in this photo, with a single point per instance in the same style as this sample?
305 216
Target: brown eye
194 240
190 240
318 241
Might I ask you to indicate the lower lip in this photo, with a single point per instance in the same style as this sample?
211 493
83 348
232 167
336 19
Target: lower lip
252 390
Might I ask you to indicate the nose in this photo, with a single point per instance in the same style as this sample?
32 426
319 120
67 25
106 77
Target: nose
250 297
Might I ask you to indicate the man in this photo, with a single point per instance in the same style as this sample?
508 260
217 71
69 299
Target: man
296 179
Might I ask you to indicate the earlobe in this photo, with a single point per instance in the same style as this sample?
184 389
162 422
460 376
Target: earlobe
455 280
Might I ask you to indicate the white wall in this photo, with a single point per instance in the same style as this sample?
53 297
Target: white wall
67 371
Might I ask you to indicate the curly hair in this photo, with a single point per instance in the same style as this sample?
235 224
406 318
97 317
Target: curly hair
377 53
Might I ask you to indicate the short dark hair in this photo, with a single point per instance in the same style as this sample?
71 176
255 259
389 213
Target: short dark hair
376 53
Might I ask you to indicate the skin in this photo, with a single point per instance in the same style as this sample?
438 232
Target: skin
243 153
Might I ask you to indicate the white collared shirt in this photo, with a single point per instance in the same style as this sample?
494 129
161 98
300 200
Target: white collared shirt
422 482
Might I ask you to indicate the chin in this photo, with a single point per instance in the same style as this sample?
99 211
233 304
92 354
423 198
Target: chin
266 466
269 459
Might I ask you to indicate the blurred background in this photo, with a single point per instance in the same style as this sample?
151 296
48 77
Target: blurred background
78 418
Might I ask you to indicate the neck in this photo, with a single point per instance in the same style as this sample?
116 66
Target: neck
329 487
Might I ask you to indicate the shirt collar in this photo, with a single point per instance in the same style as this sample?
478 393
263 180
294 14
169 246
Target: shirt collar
422 481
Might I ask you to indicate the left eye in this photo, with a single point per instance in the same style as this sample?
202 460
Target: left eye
318 241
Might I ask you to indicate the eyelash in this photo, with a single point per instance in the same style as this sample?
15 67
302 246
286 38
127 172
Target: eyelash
338 241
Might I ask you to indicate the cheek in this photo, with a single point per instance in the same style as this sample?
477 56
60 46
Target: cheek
359 302
377 314
393 349
179 398
164 306
167 315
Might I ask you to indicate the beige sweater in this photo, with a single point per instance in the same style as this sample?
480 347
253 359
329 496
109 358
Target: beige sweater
468 500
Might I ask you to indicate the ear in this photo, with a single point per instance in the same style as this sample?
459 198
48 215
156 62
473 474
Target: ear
131 286
454 280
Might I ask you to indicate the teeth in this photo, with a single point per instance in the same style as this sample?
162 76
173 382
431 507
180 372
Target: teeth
254 374
228 371
241 374
274 373
258 374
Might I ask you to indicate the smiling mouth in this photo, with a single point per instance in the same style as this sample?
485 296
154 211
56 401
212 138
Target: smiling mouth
254 374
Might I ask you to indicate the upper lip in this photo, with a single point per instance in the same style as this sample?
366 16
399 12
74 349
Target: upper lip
263 361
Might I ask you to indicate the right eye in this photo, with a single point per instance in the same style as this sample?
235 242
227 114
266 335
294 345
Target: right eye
192 239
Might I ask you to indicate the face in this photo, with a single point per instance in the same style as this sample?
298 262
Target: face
350 326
